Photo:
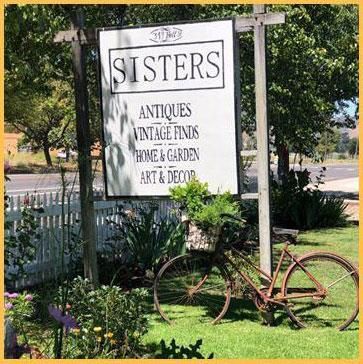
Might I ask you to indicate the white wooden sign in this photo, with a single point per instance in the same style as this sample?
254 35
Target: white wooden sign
169 107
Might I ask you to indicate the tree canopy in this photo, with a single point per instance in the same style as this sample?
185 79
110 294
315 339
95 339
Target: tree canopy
44 119
312 60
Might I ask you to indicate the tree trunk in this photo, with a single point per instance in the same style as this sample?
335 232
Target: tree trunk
47 155
67 154
283 165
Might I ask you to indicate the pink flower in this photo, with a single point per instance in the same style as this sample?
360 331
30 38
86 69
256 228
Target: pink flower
29 297
8 306
12 295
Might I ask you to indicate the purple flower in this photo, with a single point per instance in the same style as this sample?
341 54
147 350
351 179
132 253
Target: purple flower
66 320
12 295
8 306
29 297
6 294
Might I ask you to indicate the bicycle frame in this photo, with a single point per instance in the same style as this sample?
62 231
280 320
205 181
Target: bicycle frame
268 296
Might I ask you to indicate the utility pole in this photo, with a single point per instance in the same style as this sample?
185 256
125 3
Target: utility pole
84 156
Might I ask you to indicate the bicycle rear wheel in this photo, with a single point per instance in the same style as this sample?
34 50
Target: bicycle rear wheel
190 286
337 306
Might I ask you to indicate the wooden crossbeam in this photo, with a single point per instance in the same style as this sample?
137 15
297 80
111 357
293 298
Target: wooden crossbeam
248 153
249 196
242 24
84 36
247 23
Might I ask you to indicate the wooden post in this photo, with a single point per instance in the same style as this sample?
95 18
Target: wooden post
263 155
84 158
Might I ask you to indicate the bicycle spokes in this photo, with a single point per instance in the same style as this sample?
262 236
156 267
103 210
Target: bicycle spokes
331 303
188 287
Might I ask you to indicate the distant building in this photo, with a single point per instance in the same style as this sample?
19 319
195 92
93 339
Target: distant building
11 143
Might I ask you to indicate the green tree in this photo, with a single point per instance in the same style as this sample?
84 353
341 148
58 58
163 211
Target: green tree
32 59
312 72
44 119
342 146
353 147
328 143
312 60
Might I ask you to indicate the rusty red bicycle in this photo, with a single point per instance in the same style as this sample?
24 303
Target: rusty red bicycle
318 289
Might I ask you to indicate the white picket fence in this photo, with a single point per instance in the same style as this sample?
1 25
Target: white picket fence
47 263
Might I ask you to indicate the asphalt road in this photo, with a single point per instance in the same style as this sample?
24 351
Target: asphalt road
23 183
332 173
20 184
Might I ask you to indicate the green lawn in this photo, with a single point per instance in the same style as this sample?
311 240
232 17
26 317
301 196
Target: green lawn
241 335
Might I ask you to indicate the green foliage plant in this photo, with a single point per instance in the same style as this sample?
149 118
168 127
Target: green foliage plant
192 196
111 321
201 207
19 308
297 204
147 240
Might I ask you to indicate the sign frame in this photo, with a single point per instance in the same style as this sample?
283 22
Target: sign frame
236 93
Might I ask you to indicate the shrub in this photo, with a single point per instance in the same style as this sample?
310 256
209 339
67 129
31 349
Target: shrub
192 196
111 322
201 207
212 213
19 309
296 205
147 241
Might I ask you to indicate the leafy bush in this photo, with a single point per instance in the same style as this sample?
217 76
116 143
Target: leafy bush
192 196
210 214
201 207
295 205
147 241
19 309
111 322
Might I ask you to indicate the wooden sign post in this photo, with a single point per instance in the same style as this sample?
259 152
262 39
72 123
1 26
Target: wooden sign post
84 158
263 154
257 23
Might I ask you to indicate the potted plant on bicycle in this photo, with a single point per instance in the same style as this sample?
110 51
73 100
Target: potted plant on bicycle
203 213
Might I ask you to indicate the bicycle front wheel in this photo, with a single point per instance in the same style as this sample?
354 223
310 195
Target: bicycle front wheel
330 286
191 286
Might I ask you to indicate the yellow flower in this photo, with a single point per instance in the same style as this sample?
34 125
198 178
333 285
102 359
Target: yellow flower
97 329
109 335
99 339
113 341
76 331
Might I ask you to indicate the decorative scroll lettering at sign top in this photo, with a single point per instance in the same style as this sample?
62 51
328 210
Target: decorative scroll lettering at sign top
168 103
